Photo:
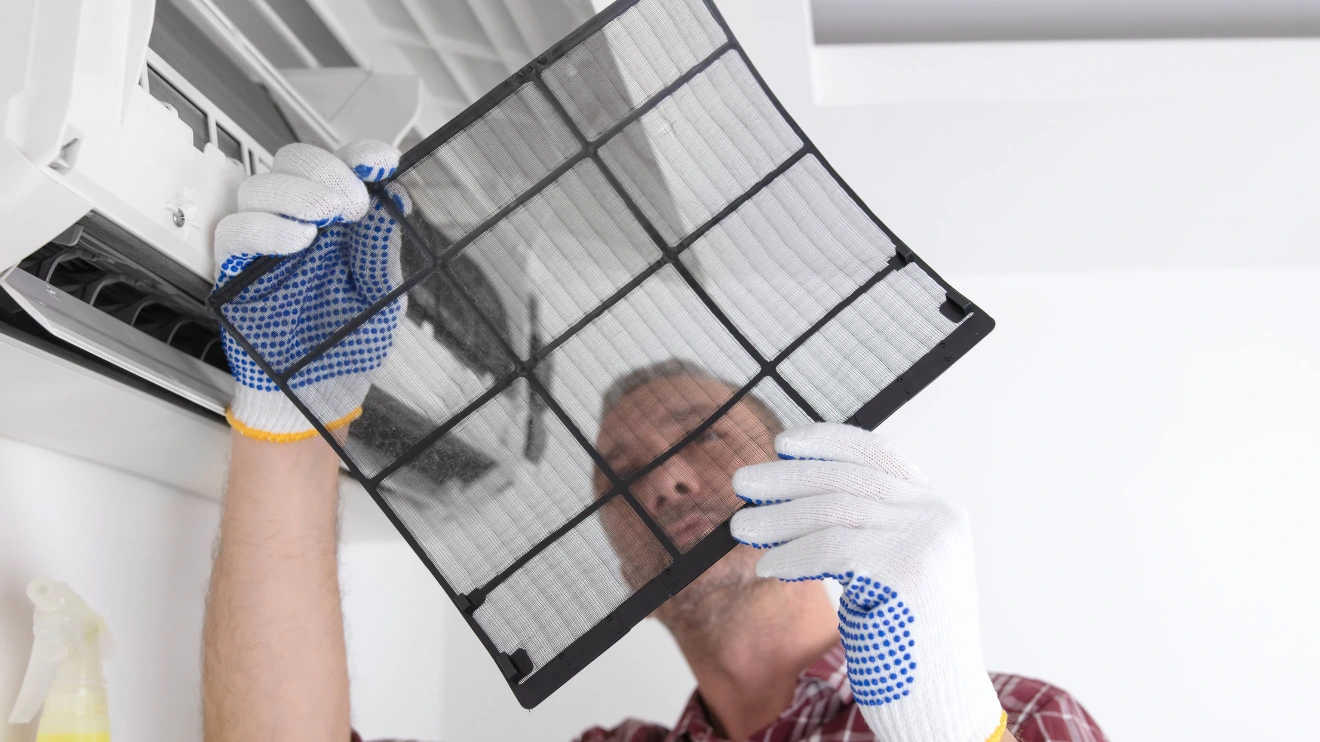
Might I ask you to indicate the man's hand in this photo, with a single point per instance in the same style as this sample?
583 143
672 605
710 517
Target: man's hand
326 279
845 505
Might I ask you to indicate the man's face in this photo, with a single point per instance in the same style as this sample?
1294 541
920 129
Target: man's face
691 492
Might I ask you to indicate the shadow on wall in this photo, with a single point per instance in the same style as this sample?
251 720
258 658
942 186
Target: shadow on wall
917 21
15 644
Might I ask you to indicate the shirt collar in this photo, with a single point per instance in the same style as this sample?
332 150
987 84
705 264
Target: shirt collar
693 724
826 679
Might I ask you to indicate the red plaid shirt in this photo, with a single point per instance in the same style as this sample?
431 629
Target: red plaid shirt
823 711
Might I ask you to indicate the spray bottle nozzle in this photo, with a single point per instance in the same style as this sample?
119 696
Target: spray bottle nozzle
69 640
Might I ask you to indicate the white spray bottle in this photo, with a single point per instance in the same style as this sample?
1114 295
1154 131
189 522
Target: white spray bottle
65 668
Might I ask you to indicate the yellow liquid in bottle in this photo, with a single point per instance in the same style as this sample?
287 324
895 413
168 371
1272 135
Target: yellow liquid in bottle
75 714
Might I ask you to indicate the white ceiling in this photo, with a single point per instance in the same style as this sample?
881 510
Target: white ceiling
898 21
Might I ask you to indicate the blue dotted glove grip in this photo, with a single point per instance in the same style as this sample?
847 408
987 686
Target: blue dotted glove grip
308 296
877 640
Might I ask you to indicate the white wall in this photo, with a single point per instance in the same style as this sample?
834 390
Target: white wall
1113 176
138 552
1138 452
395 621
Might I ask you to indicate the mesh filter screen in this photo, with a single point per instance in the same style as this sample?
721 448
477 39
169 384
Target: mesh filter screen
625 270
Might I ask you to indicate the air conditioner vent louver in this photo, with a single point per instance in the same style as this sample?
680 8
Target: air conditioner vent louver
150 307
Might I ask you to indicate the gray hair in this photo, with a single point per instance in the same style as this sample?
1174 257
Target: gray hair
678 367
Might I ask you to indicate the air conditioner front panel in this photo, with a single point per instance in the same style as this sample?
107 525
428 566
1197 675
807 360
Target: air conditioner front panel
91 330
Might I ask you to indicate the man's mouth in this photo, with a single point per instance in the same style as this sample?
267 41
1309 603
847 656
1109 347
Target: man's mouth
688 530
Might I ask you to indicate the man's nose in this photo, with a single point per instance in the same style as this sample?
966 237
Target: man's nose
672 481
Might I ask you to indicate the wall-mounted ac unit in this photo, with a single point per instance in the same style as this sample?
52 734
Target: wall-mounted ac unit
127 128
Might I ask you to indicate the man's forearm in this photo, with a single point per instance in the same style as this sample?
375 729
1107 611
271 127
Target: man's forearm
273 663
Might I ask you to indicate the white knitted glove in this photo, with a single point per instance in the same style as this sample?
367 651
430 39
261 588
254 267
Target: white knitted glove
844 504
333 275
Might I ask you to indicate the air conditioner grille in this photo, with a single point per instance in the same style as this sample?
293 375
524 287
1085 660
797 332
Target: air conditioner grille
153 307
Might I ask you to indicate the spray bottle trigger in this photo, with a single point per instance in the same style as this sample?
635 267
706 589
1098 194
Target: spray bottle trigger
47 655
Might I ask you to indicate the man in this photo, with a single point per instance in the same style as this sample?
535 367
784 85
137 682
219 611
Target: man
775 659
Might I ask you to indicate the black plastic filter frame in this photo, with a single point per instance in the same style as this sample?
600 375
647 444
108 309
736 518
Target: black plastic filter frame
530 687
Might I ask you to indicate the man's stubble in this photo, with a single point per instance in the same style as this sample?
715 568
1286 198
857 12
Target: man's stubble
717 599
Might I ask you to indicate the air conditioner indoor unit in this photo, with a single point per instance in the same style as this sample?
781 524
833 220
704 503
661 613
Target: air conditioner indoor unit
128 126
